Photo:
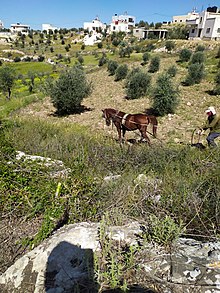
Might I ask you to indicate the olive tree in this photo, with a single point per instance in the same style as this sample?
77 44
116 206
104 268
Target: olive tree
7 79
68 91
165 95
137 84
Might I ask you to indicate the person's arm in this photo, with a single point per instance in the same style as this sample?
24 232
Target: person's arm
214 121
205 125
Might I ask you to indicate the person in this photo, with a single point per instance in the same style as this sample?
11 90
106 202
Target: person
212 123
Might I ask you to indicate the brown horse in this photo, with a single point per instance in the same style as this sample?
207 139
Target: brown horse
129 122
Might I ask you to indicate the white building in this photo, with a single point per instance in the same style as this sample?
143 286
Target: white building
18 27
184 18
122 23
94 26
48 27
206 25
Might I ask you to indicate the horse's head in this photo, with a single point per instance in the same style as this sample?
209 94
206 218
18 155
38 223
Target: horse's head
107 116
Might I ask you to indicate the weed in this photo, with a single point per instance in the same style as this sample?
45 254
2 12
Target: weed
116 261
163 231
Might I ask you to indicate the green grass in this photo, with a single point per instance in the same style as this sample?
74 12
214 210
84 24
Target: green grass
7 107
188 187
36 67
92 157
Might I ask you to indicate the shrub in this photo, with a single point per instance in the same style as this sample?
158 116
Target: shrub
216 89
172 70
145 57
100 45
148 48
169 45
163 231
41 58
80 59
165 96
195 74
68 91
112 66
125 51
185 55
121 72
17 59
200 48
137 84
154 64
103 60
197 57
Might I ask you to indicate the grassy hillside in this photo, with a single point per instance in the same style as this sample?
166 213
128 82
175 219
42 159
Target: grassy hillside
179 189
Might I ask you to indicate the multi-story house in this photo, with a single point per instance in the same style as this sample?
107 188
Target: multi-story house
206 25
122 23
95 26
184 18
18 27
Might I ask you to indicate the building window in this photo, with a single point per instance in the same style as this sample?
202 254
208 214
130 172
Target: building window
200 20
193 31
218 30
208 30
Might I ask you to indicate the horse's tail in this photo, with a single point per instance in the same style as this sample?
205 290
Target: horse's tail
154 122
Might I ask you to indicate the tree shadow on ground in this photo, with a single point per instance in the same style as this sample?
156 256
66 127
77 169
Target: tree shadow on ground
70 269
211 92
79 110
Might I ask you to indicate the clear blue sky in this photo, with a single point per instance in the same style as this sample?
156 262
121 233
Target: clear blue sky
71 13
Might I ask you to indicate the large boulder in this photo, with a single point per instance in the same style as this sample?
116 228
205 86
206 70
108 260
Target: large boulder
65 263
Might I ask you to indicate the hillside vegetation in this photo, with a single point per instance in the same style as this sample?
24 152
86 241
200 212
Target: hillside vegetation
171 183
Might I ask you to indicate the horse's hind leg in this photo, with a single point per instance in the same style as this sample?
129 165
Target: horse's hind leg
123 132
144 136
119 133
